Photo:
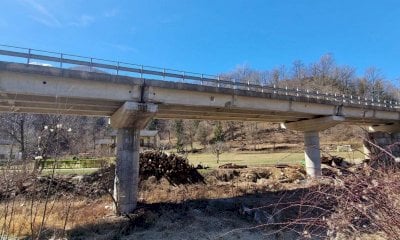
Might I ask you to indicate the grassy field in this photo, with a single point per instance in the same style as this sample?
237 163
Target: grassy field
79 171
249 158
260 158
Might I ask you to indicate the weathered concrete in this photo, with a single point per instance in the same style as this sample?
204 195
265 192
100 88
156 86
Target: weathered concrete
315 124
133 115
383 137
311 128
378 142
312 153
30 88
132 102
127 170
129 119
388 128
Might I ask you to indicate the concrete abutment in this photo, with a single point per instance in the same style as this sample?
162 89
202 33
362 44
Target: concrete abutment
383 138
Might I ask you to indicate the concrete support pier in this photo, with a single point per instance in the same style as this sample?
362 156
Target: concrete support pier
127 170
129 119
312 153
311 129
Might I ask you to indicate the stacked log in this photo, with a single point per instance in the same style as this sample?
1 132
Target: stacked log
176 169
334 161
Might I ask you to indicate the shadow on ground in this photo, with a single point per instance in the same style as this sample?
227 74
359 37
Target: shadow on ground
253 216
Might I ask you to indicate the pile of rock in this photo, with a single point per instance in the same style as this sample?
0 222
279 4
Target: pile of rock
232 166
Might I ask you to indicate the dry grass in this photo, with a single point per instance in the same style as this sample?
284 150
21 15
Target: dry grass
222 184
25 218
66 214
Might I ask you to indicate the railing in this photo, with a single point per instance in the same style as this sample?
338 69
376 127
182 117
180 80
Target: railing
69 61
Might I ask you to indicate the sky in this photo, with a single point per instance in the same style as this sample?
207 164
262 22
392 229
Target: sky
211 36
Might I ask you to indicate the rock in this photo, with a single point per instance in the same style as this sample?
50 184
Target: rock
152 180
252 177
262 181
77 178
257 215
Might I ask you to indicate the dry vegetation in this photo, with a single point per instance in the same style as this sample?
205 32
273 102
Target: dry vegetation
257 202
247 203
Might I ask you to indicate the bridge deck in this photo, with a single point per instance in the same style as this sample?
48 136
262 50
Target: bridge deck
42 89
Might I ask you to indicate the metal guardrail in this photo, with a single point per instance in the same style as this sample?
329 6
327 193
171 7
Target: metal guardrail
68 61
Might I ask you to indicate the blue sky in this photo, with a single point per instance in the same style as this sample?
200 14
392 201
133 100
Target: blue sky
211 36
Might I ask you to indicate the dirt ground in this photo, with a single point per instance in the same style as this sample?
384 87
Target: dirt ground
224 206
214 209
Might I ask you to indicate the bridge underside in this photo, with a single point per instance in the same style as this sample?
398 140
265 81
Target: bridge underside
132 103
23 103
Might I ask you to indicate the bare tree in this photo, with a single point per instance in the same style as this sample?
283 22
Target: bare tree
252 133
190 128
218 148
14 126
203 133
374 78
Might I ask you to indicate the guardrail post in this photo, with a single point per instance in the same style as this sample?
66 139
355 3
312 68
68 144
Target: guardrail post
286 90
91 64
218 79
183 76
29 56
117 68
297 92
141 71
274 89
163 77
248 85
61 60
202 76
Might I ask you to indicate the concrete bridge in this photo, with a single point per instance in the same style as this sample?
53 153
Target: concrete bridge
131 95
